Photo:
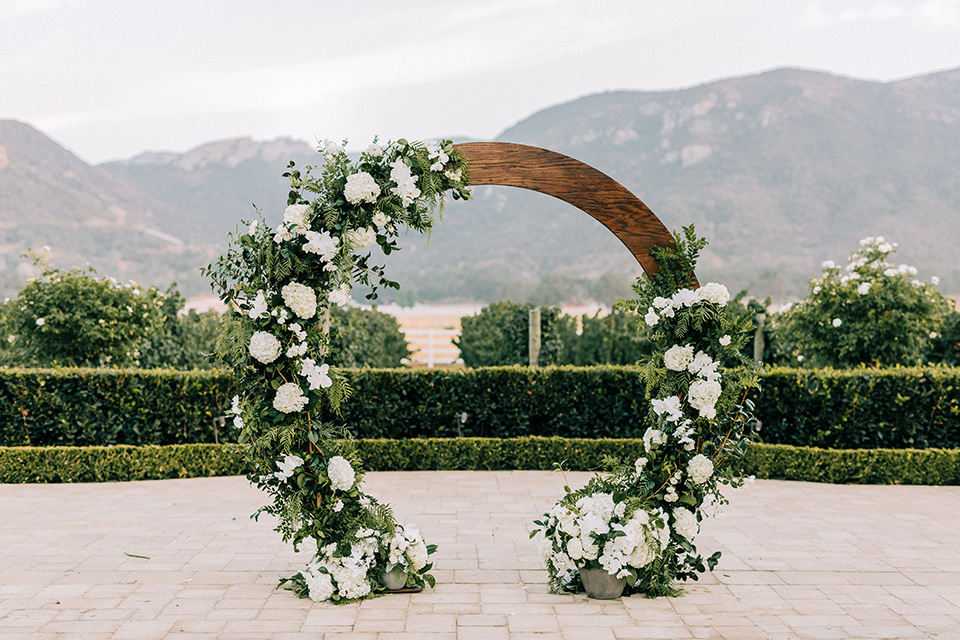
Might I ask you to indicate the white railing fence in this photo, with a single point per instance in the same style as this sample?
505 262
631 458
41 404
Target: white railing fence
433 346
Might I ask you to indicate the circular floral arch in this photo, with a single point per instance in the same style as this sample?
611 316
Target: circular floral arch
281 284
579 184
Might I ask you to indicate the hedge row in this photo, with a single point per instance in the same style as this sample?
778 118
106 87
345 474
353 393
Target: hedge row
121 463
850 409
84 407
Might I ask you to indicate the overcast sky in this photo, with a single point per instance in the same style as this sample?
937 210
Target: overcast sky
111 78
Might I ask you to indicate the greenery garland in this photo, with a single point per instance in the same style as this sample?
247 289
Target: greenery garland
281 284
639 519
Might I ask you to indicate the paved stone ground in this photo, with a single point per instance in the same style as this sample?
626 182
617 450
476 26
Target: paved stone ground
799 561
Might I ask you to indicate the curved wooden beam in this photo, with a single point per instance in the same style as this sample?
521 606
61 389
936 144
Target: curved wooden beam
590 190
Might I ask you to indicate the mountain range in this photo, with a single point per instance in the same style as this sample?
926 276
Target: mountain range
779 171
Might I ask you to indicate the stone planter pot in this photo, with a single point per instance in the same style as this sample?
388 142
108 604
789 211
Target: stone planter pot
395 579
600 585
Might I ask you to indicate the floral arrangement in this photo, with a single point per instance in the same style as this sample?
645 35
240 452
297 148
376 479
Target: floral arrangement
638 519
869 312
281 284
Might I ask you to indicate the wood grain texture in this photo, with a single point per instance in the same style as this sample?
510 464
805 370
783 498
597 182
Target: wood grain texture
563 177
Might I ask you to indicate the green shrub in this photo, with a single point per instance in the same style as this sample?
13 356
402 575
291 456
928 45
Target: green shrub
499 335
80 407
366 338
610 339
122 463
862 408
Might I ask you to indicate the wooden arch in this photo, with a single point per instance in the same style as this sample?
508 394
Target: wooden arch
590 190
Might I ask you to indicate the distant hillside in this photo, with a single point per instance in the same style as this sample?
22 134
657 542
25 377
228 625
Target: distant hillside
779 171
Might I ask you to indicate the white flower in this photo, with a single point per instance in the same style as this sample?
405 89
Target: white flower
593 523
381 219
374 150
297 350
300 298
685 298
714 292
41 322
235 405
816 289
837 322
829 264
934 280
685 523
453 176
264 347
406 182
341 474
331 149
725 340
651 318
238 422
670 406
639 465
287 466
360 238
700 468
258 307
361 187
800 358
283 235
863 288
322 244
340 296
319 585
891 272
575 549
653 437
660 302
703 395
290 398
296 215
677 358
700 362
338 506
316 376
934 335
253 227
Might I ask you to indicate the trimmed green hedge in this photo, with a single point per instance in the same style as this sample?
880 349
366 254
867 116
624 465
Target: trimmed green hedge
100 464
96 407
851 409
901 408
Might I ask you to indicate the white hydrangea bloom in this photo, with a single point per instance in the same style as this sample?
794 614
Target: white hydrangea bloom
714 292
361 238
677 358
341 474
290 398
297 216
319 584
703 396
361 187
685 523
340 296
264 347
864 288
653 437
700 468
300 298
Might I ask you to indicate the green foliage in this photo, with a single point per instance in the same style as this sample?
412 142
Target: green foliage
184 341
898 408
366 338
79 407
876 314
124 463
499 335
610 339
73 318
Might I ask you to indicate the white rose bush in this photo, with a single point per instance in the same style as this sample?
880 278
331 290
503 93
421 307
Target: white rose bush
638 518
280 284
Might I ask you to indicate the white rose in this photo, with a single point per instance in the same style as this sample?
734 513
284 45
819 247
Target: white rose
360 238
264 347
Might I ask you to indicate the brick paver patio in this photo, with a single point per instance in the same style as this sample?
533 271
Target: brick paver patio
799 561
